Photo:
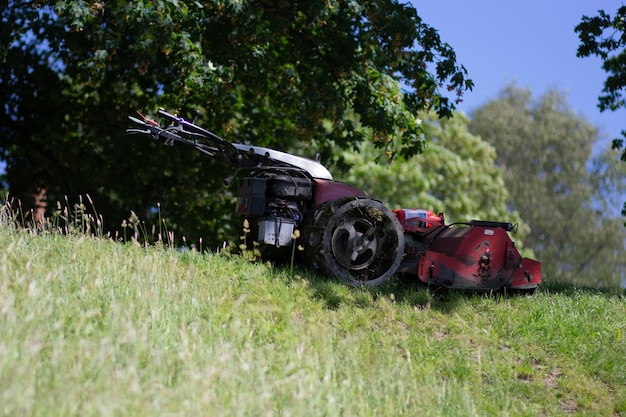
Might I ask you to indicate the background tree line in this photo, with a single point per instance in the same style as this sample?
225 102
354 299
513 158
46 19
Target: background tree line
361 83
604 36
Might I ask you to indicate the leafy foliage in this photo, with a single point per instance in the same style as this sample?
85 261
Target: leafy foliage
456 174
561 191
268 73
604 36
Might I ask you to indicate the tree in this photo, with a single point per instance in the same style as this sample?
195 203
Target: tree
264 72
560 190
456 174
605 37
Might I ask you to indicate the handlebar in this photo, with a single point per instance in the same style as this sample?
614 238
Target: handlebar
509 227
240 156
187 125
178 129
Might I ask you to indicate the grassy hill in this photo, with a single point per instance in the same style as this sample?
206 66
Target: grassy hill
92 327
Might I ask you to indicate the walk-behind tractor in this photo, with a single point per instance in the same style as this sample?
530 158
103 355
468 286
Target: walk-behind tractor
285 199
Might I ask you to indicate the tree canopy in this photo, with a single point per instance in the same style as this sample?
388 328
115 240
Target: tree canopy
270 73
456 174
560 188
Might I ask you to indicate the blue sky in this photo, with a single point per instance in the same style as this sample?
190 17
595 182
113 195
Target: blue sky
531 43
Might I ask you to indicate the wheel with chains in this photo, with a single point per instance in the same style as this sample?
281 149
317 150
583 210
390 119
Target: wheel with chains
357 240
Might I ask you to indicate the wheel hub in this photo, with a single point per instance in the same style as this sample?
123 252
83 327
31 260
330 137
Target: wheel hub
354 243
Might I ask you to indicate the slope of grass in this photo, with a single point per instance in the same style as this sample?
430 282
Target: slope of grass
92 327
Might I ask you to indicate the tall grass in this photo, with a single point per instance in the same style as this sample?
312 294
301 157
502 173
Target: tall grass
89 326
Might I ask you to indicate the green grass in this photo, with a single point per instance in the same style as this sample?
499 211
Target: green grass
92 327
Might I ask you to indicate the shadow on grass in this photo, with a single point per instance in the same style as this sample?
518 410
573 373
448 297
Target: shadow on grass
336 294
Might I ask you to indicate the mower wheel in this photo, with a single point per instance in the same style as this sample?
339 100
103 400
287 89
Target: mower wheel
357 240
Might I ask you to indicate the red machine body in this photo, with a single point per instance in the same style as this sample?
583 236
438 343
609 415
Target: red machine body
418 220
478 255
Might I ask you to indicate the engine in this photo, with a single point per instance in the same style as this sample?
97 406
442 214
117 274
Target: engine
274 204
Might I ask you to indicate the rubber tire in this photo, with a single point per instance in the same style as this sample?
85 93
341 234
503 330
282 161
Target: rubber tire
357 240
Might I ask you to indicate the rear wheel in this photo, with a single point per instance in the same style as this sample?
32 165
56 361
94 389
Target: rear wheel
357 240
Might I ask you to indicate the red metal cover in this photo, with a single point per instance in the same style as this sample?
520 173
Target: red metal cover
327 190
418 220
477 258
